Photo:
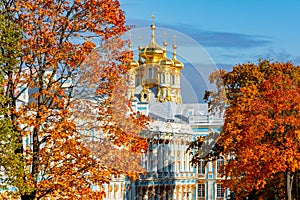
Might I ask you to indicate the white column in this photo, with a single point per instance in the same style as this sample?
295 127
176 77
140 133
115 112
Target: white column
180 192
175 156
185 192
190 192
182 156
209 189
188 163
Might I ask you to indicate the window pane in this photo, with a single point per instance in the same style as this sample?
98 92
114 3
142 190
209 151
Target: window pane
201 190
220 162
220 192
201 167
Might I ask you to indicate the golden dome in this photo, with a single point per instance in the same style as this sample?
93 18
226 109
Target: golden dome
131 63
153 52
166 61
177 64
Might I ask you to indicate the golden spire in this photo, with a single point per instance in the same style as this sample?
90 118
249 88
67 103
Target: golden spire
153 29
152 52
140 41
174 47
177 64
130 42
165 61
165 41
132 63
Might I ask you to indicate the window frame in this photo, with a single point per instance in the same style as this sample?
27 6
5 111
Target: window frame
220 191
201 190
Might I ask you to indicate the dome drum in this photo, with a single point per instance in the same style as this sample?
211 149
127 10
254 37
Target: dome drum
175 86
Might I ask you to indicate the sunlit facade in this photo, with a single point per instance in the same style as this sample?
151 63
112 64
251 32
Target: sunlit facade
155 91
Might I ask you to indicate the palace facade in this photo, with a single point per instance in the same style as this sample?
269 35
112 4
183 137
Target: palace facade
155 91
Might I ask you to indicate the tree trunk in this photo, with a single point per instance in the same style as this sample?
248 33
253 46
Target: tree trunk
289 184
28 196
297 185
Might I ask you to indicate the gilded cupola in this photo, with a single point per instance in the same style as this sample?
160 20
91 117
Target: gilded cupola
155 75
166 62
132 64
177 64
152 53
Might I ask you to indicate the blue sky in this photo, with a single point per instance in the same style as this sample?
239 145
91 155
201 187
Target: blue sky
230 31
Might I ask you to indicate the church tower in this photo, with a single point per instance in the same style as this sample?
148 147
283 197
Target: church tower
155 73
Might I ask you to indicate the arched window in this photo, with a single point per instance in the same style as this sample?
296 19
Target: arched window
150 73
160 159
177 79
220 162
163 78
173 79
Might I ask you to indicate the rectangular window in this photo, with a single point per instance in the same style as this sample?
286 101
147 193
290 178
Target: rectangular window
201 167
220 191
201 190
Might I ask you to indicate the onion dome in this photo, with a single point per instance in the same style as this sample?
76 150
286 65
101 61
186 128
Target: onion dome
166 61
153 52
131 63
177 64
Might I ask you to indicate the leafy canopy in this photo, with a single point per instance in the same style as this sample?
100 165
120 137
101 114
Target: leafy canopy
260 136
58 92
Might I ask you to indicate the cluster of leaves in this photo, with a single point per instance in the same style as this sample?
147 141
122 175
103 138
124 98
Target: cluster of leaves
261 129
56 87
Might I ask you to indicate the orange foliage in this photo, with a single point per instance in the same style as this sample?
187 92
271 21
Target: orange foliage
74 92
261 129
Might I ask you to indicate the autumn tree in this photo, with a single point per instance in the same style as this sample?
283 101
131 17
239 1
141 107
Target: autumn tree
9 36
54 84
261 130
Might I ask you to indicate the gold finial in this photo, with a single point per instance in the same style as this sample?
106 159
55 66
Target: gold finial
153 28
165 40
177 64
153 19
174 47
130 42
140 41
